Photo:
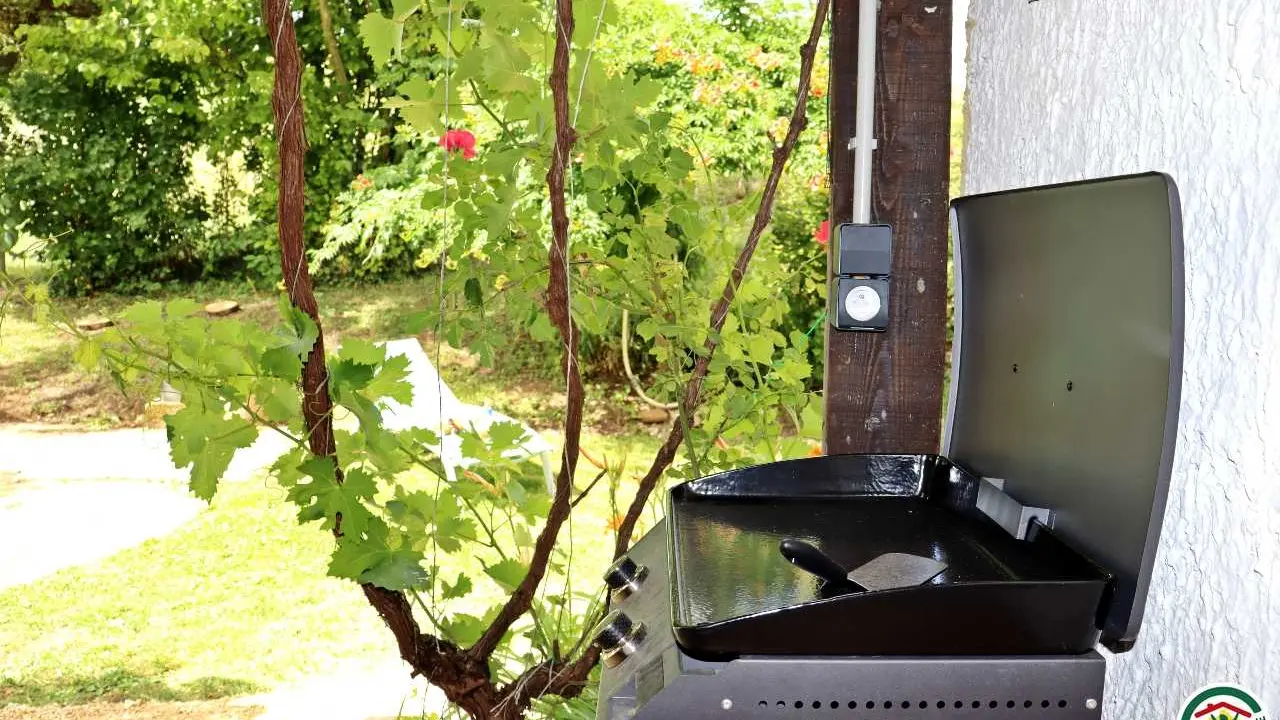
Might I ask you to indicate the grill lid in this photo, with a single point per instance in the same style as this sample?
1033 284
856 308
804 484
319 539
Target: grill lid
1067 364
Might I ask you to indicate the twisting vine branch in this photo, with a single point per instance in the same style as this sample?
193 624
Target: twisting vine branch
464 682
557 305
286 107
720 311
464 674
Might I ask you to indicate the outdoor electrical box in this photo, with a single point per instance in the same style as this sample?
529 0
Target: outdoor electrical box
957 585
860 289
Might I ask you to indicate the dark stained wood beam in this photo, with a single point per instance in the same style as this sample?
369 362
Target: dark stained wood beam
883 391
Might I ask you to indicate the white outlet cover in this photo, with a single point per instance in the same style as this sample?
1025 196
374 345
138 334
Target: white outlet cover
862 303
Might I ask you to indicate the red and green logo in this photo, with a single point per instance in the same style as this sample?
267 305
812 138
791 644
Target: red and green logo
1223 702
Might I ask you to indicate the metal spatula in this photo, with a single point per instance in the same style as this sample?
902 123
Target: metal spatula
891 570
897 570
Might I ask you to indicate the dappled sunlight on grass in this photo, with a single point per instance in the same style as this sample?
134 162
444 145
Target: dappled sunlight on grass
234 601
41 382
237 601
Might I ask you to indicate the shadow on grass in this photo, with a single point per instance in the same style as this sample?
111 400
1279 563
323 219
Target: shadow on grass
117 685
46 384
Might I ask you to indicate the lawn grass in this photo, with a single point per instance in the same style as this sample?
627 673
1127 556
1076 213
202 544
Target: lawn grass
236 602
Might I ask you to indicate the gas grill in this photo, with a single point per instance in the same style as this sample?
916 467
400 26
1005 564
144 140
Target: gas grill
973 583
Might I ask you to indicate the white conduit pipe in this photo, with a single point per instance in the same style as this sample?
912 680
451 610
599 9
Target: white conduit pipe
865 112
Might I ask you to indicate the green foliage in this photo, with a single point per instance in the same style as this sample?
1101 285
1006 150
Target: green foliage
652 230
384 226
662 186
108 111
718 99
99 147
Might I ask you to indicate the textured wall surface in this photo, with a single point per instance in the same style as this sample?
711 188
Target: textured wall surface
1068 89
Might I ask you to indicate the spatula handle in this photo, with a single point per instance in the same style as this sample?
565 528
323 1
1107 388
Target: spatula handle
811 559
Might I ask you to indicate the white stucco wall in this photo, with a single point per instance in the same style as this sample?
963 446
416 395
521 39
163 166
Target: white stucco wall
1068 89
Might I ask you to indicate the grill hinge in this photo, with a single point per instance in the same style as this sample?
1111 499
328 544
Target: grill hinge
1008 513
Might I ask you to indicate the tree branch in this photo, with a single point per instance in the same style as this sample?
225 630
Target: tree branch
335 53
564 679
465 682
464 675
558 308
286 106
764 214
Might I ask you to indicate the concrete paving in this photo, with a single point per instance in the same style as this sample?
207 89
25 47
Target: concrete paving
32 453
46 526
68 499
353 692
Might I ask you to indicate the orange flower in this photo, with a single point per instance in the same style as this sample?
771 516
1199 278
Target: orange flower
708 94
615 522
705 64
815 450
763 60
821 82
664 52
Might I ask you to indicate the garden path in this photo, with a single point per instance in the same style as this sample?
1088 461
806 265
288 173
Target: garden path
71 498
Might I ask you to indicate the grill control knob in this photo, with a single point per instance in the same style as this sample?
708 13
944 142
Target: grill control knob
625 577
618 637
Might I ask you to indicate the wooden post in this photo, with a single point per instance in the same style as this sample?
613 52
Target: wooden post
883 391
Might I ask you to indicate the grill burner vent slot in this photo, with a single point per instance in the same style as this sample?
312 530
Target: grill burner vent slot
789 706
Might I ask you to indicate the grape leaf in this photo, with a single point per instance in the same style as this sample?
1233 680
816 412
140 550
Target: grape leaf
442 519
293 342
207 442
324 497
402 9
457 589
88 353
505 436
464 629
346 376
368 558
381 36
398 570
392 381
277 400
361 352
507 573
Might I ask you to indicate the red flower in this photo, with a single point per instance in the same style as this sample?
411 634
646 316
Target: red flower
459 140
823 234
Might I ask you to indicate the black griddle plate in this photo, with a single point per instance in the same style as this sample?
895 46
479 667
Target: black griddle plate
734 594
